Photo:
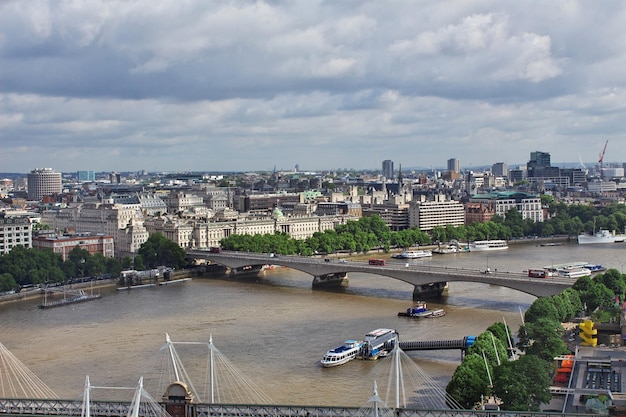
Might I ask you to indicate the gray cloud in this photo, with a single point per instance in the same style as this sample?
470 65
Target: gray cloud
244 85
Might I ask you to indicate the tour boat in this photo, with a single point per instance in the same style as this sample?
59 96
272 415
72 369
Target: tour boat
342 354
575 272
485 245
414 254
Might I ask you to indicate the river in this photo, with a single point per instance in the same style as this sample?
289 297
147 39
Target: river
275 329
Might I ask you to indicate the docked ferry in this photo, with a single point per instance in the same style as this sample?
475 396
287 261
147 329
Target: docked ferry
378 343
342 354
570 270
485 245
574 272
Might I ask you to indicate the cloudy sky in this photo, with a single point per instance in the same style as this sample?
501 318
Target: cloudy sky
237 85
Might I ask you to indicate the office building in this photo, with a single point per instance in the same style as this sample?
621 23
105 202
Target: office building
43 182
454 165
539 167
500 169
528 205
122 221
63 245
86 176
427 215
388 169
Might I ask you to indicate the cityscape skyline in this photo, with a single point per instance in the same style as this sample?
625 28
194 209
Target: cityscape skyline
249 86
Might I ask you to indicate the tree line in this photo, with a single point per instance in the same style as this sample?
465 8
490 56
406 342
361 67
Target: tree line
524 384
23 267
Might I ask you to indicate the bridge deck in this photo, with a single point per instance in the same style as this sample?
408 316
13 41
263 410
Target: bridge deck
417 275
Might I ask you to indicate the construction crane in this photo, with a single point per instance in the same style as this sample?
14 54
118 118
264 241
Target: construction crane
602 157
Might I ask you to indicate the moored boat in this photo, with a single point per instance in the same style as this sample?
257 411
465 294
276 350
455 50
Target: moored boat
342 354
420 310
439 312
413 254
601 236
594 267
575 272
488 245
377 342
79 297
451 247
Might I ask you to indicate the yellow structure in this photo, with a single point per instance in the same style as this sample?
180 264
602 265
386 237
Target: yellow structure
588 334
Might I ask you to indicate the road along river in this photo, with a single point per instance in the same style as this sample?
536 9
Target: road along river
274 330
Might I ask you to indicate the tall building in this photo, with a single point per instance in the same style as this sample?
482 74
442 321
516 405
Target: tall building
500 169
539 159
388 168
43 182
86 176
454 165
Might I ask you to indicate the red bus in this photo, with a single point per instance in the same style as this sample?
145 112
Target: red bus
539 273
381 262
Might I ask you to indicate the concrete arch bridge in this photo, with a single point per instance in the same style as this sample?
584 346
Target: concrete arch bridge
422 277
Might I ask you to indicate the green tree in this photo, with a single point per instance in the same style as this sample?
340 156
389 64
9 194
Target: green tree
522 385
138 264
614 281
542 338
7 282
542 307
469 381
158 250
79 258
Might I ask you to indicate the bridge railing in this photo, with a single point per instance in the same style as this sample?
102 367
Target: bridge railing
26 407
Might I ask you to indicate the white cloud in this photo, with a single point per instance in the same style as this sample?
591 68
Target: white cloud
238 84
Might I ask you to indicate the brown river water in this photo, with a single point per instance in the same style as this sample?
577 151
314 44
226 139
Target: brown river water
274 330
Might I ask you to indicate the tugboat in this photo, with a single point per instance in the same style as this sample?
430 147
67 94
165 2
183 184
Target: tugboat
419 310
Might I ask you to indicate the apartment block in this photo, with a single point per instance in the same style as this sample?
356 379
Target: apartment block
15 231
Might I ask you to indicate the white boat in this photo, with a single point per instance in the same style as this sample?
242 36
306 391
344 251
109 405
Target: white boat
342 354
414 254
574 272
485 245
440 312
601 236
